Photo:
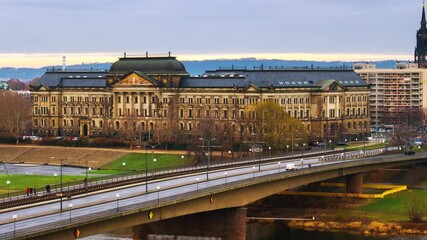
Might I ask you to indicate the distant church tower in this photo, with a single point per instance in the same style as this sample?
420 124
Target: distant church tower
421 48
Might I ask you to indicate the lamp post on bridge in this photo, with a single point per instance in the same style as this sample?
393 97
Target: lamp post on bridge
209 140
146 162
60 179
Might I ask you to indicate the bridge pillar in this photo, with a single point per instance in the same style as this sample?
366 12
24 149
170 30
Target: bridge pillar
227 224
354 183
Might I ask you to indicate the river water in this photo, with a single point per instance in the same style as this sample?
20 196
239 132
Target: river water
267 231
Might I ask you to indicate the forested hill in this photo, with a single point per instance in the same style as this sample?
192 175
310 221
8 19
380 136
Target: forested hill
193 67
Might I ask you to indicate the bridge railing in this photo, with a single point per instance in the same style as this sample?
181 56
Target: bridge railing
100 180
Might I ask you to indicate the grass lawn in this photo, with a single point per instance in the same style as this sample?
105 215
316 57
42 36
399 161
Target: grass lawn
20 182
390 208
137 162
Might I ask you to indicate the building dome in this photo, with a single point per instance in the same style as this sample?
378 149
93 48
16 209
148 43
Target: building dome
148 65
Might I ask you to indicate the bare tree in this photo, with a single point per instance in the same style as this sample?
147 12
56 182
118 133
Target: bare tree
416 207
129 128
15 114
404 136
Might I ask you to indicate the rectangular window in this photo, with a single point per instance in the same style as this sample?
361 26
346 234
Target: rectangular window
136 99
64 110
216 100
190 100
208 100
127 99
119 99
86 99
181 100
93 99
181 113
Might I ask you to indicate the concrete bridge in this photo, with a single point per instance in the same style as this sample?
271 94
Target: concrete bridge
218 202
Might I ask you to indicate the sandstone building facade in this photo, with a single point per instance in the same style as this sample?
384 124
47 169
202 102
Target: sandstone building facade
152 96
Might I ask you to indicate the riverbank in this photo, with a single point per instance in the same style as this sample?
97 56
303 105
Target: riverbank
366 228
385 217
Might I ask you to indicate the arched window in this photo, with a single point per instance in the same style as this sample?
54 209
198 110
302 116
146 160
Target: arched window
100 124
72 123
181 126
64 123
142 125
93 123
53 122
189 126
117 125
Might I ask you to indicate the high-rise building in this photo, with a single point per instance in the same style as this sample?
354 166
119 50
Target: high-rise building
396 94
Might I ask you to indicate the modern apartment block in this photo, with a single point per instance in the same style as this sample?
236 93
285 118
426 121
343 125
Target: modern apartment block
396 94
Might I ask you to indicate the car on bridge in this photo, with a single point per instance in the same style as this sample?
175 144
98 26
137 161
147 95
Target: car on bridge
409 152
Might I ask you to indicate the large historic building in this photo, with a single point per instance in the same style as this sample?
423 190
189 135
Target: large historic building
153 95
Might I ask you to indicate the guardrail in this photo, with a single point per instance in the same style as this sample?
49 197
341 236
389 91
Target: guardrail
77 187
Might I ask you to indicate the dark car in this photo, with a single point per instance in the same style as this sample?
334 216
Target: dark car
409 152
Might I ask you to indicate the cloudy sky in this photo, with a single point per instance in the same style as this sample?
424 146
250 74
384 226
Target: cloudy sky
40 32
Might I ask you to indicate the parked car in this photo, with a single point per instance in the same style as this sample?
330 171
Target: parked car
409 152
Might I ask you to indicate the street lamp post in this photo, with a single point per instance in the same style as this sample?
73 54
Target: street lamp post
287 149
209 154
86 179
303 149
8 193
117 197
60 180
225 179
269 151
197 186
182 160
330 144
158 195
279 165
14 217
146 162
253 170
154 166
302 162
70 205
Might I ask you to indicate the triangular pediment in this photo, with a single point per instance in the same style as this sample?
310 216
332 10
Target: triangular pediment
136 78
331 85
43 88
251 88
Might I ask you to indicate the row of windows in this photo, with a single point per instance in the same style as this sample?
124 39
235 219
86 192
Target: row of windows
128 99
85 99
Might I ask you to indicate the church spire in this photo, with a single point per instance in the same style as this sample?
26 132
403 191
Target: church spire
423 18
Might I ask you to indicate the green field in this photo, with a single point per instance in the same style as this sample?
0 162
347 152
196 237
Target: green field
391 208
20 182
138 162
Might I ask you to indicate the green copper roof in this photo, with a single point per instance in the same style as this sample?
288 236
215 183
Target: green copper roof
149 66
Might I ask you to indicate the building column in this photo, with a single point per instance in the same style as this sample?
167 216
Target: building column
354 183
227 224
